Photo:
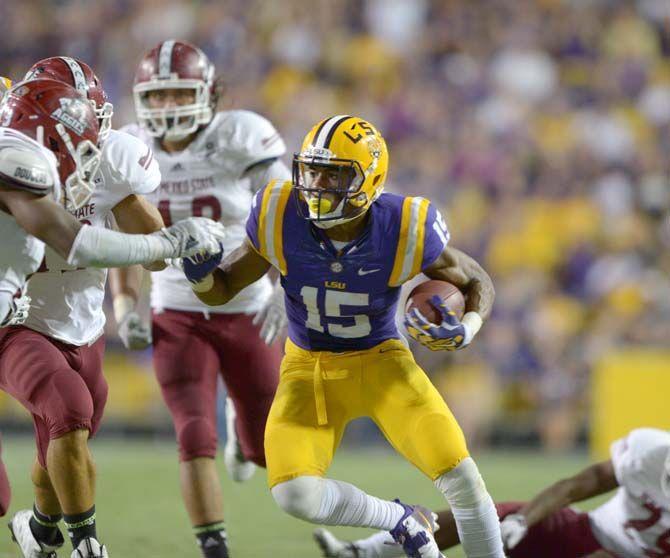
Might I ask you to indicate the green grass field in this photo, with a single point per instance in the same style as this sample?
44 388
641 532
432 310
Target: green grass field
140 513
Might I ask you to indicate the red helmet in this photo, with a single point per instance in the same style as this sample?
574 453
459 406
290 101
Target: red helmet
175 65
60 118
79 75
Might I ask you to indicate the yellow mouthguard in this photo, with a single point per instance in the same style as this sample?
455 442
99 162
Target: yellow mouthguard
320 206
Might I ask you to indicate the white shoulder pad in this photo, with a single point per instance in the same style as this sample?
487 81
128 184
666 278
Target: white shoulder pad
251 138
132 161
27 169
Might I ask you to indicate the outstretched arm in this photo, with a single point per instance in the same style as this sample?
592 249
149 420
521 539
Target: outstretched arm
87 246
461 270
239 269
594 480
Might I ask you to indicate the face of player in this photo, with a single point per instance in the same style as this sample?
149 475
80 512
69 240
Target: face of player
167 98
326 187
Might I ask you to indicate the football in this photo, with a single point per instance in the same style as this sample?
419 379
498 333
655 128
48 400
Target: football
420 298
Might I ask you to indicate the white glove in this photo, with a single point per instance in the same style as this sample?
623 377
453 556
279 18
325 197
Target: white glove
272 316
18 313
513 529
134 334
195 235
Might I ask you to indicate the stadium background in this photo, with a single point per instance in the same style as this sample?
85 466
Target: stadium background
541 127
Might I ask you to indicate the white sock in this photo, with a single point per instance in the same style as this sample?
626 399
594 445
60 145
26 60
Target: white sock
344 504
475 514
380 545
331 502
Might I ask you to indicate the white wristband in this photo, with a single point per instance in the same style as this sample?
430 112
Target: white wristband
203 286
472 322
123 304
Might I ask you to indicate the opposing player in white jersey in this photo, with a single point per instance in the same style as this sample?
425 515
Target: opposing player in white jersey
55 374
5 488
634 523
212 163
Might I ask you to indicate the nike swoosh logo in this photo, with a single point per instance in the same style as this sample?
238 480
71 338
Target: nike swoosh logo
362 271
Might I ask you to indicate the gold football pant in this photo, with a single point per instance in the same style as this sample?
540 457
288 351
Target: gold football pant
320 392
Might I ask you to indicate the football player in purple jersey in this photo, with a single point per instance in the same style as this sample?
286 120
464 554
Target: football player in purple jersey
344 249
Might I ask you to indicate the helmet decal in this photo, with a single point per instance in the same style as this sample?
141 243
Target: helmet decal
72 114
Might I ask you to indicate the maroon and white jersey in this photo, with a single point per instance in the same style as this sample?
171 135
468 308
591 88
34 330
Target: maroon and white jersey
209 179
67 301
635 523
32 168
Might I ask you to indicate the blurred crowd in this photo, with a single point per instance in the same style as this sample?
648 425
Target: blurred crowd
541 127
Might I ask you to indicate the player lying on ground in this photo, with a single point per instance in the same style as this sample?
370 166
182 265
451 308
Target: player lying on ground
50 378
634 523
212 163
343 250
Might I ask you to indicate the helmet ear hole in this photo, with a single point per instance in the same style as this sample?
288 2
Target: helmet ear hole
376 179
53 145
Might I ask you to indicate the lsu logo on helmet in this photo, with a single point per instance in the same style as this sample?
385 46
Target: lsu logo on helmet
340 170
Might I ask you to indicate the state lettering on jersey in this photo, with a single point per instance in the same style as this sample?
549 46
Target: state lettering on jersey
84 211
335 285
186 187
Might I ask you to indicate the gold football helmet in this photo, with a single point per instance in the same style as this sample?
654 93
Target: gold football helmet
340 170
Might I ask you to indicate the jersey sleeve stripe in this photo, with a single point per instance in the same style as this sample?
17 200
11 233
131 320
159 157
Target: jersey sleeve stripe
396 272
412 240
420 232
272 246
262 221
282 200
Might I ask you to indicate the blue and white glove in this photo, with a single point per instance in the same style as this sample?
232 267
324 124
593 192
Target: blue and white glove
450 335
198 267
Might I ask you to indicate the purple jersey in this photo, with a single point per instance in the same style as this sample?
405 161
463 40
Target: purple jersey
344 300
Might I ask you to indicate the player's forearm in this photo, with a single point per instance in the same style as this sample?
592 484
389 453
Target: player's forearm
135 215
239 269
456 267
126 281
552 499
98 247
480 295
593 481
213 290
